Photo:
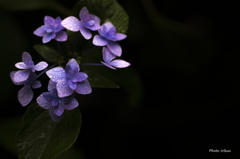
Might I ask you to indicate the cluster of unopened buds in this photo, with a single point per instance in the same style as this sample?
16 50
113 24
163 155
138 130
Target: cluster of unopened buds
64 83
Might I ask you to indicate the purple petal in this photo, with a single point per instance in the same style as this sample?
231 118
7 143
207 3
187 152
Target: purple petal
107 55
115 48
59 109
74 65
36 84
41 66
47 29
63 89
21 65
92 22
118 36
31 78
96 25
119 63
83 13
40 31
83 87
25 95
12 78
48 96
43 103
107 26
48 21
71 23
85 32
54 102
108 65
59 27
21 75
71 104
80 77
51 86
99 41
72 85
26 58
56 74
48 37
54 117
61 36
111 32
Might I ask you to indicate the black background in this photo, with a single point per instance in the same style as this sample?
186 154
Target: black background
190 83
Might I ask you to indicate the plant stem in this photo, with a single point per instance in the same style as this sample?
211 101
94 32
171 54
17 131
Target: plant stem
45 70
89 50
59 48
92 64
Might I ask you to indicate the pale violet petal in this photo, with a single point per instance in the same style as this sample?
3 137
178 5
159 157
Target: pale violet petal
25 95
40 66
115 48
72 85
63 89
61 36
56 74
42 102
83 87
26 58
48 21
12 78
85 32
36 84
40 31
83 13
54 117
21 65
74 65
71 23
108 65
51 86
107 55
119 63
99 41
80 77
118 36
59 109
71 104
21 75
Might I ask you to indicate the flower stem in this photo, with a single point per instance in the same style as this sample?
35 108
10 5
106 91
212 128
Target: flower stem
45 70
75 43
59 48
89 50
92 64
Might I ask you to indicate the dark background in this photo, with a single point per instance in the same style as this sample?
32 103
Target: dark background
187 56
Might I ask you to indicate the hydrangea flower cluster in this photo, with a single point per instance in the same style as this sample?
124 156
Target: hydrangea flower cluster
64 84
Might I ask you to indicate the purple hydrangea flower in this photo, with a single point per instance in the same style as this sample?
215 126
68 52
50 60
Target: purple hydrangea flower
56 105
108 57
28 66
88 21
52 29
25 94
108 36
70 79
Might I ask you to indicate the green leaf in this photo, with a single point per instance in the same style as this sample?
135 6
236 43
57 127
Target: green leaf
106 10
41 138
49 54
99 81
